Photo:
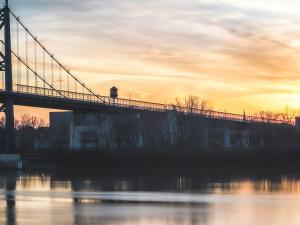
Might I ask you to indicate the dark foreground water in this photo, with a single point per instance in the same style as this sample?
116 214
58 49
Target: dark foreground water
250 197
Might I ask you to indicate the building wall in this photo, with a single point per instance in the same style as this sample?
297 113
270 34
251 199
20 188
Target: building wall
60 123
145 131
105 131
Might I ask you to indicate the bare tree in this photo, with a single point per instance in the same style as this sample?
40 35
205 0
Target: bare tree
193 104
29 121
288 116
268 116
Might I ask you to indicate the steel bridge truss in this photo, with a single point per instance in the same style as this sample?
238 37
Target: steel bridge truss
6 67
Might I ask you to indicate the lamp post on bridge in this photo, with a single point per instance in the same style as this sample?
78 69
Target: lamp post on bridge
6 66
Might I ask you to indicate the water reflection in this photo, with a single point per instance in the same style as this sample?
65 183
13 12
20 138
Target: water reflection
10 185
148 198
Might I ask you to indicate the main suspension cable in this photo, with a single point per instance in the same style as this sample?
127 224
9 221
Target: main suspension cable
56 60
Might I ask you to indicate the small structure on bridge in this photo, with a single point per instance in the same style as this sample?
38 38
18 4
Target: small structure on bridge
114 92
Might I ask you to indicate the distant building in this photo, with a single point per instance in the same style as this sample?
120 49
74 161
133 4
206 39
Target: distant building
144 130
60 123
41 140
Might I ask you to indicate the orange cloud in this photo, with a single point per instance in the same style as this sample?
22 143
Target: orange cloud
238 54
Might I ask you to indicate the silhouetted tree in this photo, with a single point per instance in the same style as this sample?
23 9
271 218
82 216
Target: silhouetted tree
27 130
193 105
288 116
29 121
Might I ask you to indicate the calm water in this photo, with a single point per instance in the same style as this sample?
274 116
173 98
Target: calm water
136 197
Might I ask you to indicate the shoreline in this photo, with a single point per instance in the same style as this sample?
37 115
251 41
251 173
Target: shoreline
288 158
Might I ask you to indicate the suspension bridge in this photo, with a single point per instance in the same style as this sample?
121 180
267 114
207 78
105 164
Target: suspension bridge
32 76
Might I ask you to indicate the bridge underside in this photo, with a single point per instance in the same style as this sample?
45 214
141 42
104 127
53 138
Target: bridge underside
32 100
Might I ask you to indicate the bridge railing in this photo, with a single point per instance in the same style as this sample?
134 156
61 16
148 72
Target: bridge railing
119 102
142 105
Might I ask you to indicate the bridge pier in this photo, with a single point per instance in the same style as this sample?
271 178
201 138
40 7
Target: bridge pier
205 137
170 128
226 138
9 126
7 67
245 139
235 138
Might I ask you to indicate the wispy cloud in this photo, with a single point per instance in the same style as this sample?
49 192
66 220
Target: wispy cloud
229 48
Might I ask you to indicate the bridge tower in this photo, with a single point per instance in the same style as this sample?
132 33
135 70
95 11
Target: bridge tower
6 66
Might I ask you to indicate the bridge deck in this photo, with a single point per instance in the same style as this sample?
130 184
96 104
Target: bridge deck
67 100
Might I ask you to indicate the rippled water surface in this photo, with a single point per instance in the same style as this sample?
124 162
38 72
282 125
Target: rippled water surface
157 198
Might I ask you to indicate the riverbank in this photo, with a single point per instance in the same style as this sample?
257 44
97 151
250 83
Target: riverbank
166 159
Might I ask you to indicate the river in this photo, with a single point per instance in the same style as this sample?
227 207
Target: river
132 197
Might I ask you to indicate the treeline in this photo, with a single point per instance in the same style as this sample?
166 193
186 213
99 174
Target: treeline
288 115
25 121
194 104
27 131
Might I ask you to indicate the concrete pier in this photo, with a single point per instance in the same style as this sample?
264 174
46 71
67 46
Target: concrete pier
226 138
159 131
245 139
205 137
10 161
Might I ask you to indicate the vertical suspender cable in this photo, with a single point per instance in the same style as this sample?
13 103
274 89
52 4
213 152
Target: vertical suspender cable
26 49
68 84
3 73
35 65
52 73
18 53
77 82
44 72
60 78
75 89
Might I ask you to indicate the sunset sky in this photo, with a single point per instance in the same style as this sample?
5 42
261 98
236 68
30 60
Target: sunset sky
239 54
